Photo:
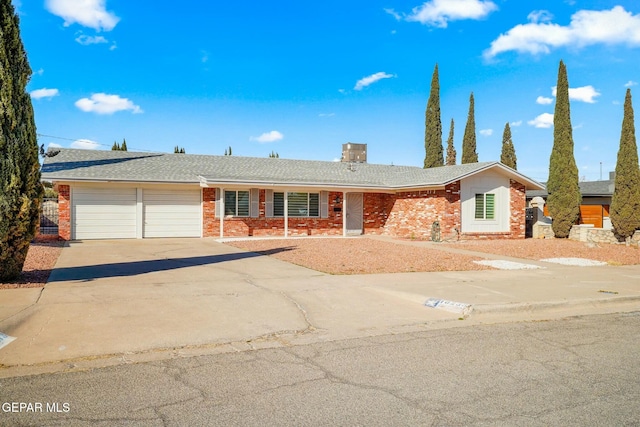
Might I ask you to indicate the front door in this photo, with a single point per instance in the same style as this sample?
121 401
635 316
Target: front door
354 213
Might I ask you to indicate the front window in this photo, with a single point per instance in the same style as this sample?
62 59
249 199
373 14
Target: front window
236 203
485 206
299 204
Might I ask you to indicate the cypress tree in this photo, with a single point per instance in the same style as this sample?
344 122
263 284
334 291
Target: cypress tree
451 151
469 154
433 126
625 204
123 147
508 155
20 187
115 146
564 193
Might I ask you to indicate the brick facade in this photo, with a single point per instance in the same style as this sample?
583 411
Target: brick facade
409 214
263 226
64 212
414 213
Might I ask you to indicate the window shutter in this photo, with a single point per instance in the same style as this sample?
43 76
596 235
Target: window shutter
218 202
324 204
255 202
268 203
479 206
490 206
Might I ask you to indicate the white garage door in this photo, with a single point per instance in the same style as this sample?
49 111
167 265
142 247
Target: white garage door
171 213
104 213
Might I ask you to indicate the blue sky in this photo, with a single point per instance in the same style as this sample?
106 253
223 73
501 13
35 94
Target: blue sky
302 78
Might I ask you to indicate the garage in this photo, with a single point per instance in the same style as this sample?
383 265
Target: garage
171 213
103 213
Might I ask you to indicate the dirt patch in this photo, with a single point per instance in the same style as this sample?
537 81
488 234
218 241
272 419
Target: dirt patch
41 258
359 255
555 248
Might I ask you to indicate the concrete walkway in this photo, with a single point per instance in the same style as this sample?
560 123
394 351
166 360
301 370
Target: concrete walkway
119 301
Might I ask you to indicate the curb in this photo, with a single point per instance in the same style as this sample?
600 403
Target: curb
550 305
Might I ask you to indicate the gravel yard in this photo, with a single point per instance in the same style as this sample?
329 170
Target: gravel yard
42 256
365 255
359 255
554 248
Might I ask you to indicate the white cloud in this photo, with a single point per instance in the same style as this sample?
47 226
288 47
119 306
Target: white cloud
486 132
516 124
40 72
85 144
438 13
630 83
326 114
88 13
204 56
544 120
540 16
542 100
102 103
393 13
54 145
583 94
44 93
366 81
272 136
86 40
587 27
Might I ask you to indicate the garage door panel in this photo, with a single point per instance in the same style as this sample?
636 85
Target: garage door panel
104 213
172 213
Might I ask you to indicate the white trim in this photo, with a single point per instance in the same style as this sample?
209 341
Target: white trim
344 214
254 202
286 214
268 203
139 213
324 204
221 200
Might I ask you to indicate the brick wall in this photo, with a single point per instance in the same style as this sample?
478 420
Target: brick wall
517 194
64 212
377 208
414 212
263 226
406 214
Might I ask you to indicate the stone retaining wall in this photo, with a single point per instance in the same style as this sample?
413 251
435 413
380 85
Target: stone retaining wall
584 233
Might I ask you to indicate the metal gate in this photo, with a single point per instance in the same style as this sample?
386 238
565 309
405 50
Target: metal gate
530 220
49 216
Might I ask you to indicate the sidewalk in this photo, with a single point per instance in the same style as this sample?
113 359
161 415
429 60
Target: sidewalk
110 302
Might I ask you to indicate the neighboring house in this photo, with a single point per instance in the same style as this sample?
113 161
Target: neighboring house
596 199
118 194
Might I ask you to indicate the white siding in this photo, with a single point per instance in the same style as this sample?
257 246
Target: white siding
171 213
103 213
482 183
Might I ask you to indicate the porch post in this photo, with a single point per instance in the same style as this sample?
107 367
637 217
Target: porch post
344 214
221 201
286 214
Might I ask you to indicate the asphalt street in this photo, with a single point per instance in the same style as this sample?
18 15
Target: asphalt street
578 371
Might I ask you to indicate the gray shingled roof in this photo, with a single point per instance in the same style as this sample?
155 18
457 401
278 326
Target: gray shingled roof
74 165
587 188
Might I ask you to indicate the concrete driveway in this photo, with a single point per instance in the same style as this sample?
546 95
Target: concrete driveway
122 300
